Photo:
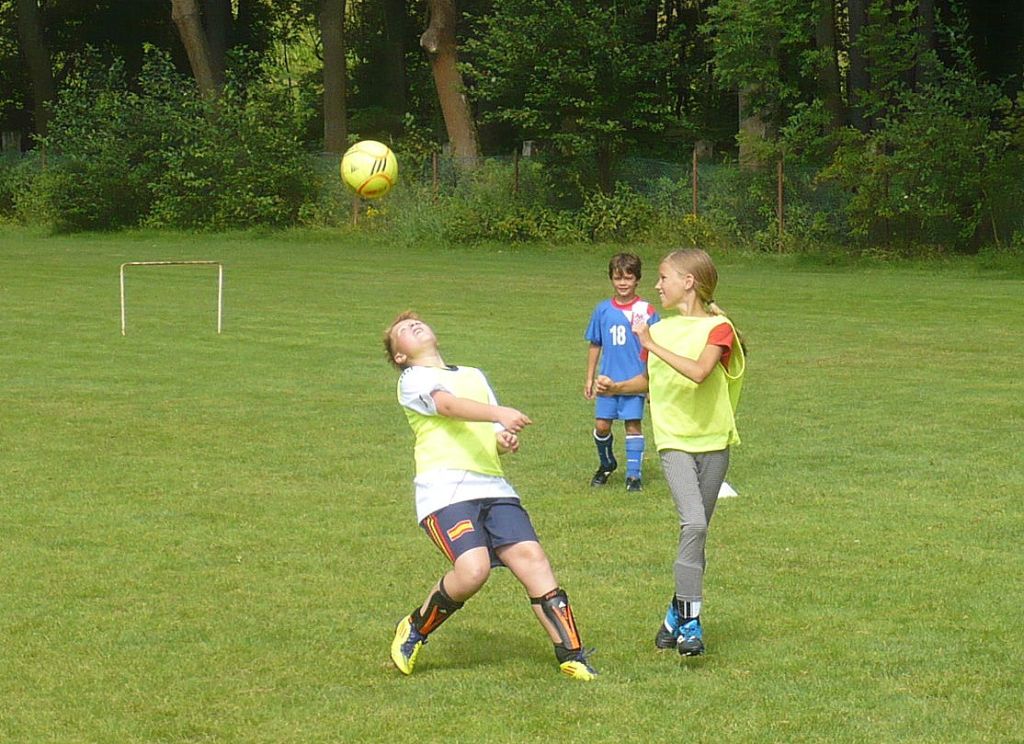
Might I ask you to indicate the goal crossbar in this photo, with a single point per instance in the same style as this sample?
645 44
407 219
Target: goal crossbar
220 285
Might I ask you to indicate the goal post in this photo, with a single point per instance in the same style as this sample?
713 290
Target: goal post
220 285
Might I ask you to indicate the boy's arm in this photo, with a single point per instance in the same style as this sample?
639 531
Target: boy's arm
593 355
507 442
465 409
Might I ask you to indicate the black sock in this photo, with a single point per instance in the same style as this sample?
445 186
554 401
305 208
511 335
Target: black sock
439 608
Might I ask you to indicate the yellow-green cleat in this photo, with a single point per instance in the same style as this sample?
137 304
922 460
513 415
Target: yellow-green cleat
406 645
579 668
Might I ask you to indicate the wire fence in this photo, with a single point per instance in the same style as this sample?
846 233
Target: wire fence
778 202
782 198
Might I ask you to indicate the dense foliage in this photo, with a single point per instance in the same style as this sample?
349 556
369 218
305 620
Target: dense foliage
125 153
894 123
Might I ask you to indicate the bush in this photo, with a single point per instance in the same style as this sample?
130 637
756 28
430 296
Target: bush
155 154
487 205
100 149
238 165
620 216
16 177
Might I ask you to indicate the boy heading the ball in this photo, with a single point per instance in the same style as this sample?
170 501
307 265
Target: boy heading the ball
463 502
614 345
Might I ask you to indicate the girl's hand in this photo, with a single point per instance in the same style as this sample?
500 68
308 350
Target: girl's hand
603 385
507 442
642 330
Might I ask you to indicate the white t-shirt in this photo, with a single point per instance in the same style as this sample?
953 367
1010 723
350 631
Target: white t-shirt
439 488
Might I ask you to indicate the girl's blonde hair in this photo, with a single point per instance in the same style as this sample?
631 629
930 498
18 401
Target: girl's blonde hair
698 263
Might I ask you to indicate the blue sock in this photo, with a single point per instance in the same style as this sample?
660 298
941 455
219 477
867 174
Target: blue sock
672 619
634 454
604 451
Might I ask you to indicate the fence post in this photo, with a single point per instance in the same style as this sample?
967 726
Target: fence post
515 181
435 179
694 180
10 141
779 210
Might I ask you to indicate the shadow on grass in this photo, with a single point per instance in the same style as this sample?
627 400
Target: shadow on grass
468 648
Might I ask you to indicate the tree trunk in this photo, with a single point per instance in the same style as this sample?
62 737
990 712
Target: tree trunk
828 75
439 43
649 21
37 56
858 82
217 14
753 129
185 14
393 62
926 28
332 35
247 33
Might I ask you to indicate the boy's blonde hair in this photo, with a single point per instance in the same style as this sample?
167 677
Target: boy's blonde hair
388 341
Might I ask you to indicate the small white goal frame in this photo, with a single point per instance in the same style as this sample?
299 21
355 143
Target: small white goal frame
220 284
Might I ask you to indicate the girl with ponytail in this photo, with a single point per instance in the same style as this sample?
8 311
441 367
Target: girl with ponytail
694 376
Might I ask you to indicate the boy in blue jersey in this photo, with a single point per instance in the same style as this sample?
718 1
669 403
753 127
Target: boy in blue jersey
615 348
463 502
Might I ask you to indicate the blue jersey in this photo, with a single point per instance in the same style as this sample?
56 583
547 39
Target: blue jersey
611 328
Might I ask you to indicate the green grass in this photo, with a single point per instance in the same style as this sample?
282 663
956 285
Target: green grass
209 538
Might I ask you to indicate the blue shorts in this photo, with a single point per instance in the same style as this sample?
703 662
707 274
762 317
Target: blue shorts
620 407
482 523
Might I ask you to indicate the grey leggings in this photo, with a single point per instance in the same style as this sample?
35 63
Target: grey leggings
694 481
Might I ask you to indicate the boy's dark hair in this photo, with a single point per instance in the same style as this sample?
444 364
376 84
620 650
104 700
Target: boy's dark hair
625 263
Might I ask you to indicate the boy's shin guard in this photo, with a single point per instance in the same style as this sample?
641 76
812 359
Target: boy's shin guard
556 608
439 608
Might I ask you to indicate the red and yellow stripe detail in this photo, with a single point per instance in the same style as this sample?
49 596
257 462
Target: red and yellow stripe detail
437 536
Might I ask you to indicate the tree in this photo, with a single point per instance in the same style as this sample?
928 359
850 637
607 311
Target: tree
332 35
392 62
765 49
439 42
218 22
37 56
829 81
185 14
858 82
595 87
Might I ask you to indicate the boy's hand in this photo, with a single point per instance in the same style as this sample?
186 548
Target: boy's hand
513 420
603 385
507 442
588 389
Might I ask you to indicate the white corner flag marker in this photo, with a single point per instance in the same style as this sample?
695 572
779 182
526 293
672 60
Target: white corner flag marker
726 491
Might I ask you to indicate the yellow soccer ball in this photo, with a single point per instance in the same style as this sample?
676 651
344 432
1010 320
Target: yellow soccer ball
369 168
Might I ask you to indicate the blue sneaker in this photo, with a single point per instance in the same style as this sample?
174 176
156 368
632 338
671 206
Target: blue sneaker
691 638
668 631
406 645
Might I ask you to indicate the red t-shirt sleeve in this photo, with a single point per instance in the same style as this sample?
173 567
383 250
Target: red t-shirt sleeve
722 335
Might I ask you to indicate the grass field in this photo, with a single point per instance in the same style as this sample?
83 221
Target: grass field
210 538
